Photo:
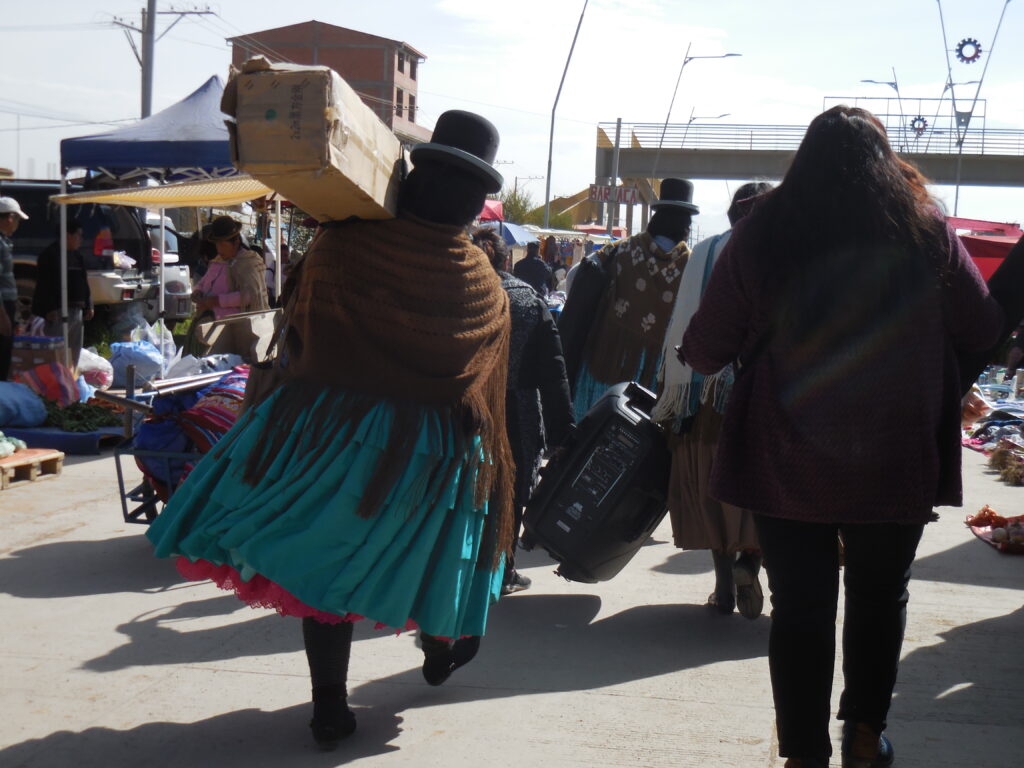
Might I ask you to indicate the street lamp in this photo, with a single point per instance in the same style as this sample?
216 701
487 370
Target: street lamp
694 117
949 85
895 85
551 137
687 58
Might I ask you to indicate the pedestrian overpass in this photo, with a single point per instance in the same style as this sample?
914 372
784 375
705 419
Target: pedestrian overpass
648 152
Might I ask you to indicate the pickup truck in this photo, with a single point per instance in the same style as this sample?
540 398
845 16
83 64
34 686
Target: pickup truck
108 231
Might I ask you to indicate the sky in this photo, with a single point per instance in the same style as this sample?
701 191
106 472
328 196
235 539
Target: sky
65 59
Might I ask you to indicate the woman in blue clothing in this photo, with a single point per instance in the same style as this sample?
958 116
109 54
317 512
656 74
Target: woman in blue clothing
374 480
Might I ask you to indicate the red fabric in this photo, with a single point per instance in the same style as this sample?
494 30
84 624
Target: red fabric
988 251
260 592
51 380
597 229
990 227
494 210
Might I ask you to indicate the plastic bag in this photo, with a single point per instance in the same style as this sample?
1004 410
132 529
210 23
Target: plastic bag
142 354
20 406
155 334
223 362
129 320
188 365
86 391
97 370
122 260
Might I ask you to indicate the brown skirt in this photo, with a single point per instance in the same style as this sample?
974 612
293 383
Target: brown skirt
698 521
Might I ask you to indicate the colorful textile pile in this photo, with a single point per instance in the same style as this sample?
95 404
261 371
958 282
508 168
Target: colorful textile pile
187 423
51 381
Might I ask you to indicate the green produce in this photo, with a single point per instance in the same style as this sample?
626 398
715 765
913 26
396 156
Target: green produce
79 417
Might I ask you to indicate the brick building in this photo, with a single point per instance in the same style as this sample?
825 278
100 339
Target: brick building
384 72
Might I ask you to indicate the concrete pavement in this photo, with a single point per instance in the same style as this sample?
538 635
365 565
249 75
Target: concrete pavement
109 659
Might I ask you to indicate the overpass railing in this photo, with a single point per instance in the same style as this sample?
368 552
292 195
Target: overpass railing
987 141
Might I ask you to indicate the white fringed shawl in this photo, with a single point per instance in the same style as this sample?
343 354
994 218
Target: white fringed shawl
676 382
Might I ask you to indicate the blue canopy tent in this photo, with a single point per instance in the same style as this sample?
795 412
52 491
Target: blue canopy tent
186 140
513 233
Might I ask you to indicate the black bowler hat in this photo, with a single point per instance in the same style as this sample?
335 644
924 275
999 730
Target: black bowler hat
678 193
467 141
222 228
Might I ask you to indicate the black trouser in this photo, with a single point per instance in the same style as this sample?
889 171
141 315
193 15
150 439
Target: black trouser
7 342
802 562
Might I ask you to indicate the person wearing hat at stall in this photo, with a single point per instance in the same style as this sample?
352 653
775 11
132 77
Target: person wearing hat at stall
233 281
11 216
614 333
370 474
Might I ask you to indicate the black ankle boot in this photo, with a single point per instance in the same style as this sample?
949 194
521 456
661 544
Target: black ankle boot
438 659
332 720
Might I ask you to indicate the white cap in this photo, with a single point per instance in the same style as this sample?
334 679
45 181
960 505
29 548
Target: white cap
10 205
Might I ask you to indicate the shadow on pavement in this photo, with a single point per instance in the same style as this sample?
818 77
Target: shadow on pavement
971 562
960 701
155 638
248 738
547 643
72 568
688 562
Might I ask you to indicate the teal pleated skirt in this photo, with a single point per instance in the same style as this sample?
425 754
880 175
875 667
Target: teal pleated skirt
293 541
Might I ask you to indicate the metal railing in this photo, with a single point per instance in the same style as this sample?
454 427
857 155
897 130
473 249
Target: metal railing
986 141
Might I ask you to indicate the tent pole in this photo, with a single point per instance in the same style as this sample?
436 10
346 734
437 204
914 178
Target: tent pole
64 271
160 299
277 249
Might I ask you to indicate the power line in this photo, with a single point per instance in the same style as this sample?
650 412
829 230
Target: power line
93 26
255 44
67 125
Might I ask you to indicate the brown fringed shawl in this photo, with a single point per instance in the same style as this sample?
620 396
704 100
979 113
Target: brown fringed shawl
625 342
412 313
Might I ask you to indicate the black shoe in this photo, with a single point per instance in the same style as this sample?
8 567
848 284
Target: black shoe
722 604
441 658
332 720
438 659
517 583
865 748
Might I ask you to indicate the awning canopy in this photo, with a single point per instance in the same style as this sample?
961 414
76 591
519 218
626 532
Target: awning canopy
187 137
493 210
512 233
988 251
217 193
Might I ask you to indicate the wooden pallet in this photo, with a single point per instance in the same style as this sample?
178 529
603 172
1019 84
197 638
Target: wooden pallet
30 465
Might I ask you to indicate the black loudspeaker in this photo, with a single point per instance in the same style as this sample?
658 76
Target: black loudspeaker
606 492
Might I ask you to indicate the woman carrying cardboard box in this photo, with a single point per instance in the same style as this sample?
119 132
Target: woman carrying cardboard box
373 479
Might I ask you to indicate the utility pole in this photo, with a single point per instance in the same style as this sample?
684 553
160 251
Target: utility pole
148 44
147 31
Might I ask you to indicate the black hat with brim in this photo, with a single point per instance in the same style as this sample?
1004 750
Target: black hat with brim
676 193
467 141
222 228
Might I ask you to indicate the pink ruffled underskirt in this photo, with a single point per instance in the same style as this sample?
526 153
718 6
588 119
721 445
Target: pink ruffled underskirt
260 592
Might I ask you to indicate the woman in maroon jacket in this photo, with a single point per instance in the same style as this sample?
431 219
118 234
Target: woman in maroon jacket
840 285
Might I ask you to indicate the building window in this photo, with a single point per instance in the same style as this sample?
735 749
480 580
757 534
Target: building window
399 102
401 62
412 68
412 108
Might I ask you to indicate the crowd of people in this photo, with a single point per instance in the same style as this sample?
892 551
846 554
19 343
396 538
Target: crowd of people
389 483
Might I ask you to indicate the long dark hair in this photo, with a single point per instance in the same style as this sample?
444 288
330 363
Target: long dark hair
850 222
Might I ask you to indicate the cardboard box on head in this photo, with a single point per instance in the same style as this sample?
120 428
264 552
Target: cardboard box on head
306 134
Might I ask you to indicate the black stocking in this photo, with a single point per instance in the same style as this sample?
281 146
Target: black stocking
725 588
328 647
